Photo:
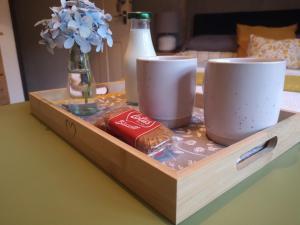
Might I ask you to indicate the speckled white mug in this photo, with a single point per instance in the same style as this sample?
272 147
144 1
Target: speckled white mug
241 96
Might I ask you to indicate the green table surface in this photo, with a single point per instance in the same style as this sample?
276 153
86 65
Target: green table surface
45 181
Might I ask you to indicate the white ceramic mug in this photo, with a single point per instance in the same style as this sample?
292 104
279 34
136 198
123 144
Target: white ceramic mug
166 88
241 96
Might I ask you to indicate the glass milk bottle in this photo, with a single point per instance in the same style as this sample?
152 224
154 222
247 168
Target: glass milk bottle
139 45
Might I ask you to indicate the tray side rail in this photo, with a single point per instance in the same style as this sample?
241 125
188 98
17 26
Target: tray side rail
151 181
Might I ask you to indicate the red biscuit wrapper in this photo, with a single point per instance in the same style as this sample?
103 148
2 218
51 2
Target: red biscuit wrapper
136 129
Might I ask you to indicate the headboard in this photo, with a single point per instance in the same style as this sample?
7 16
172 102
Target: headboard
225 23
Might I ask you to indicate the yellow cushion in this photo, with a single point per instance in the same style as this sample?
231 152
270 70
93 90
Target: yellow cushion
292 83
277 33
288 49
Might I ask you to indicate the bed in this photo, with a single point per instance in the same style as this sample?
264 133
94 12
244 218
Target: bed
214 36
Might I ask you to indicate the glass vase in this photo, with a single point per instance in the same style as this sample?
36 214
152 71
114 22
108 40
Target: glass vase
81 85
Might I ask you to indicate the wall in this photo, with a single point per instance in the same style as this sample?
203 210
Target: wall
188 8
157 6
41 70
9 55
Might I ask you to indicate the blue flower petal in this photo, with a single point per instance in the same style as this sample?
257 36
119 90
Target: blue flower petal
69 43
84 31
54 33
87 21
85 47
63 3
108 17
109 41
79 40
56 25
72 25
77 17
74 8
94 39
63 27
88 3
96 16
65 16
60 40
102 31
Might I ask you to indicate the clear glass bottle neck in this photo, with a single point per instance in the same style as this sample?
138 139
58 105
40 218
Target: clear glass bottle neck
140 23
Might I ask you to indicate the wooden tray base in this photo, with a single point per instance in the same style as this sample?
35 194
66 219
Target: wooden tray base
175 194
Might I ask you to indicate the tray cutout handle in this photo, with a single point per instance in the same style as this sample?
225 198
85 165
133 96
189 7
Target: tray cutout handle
253 154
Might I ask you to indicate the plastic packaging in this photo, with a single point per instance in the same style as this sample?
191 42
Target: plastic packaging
135 129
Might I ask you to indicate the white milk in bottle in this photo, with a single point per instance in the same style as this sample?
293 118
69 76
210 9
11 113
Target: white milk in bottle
139 45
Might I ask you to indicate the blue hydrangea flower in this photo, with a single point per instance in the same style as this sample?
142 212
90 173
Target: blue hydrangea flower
76 22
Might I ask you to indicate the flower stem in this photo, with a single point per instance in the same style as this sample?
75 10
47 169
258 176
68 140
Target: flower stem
87 91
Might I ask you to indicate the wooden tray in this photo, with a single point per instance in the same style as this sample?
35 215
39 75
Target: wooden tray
175 194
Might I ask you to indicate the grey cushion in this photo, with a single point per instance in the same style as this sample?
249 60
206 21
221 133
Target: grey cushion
220 43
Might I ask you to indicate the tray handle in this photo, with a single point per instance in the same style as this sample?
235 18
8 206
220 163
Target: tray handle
269 143
254 153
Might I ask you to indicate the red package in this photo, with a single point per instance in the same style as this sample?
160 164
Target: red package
136 129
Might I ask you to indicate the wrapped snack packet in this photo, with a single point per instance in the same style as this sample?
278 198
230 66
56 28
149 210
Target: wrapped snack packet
136 129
